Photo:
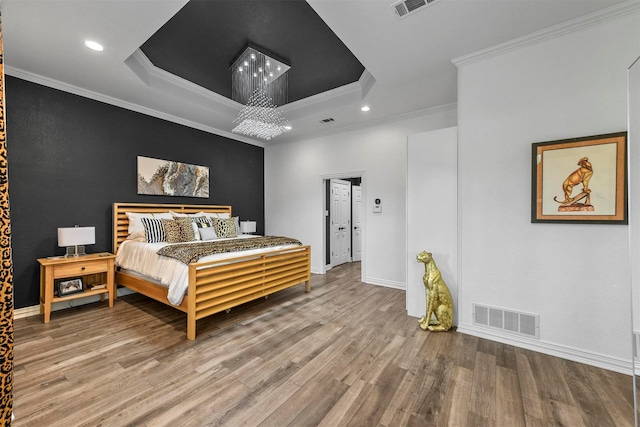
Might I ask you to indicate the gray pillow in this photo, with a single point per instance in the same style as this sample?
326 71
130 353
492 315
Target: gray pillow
207 233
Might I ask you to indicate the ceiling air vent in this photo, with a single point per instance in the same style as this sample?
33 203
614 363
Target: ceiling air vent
404 8
327 120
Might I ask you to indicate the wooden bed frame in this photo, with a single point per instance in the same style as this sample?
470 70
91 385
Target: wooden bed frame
217 285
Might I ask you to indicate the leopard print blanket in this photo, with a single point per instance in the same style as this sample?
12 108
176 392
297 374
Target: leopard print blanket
192 252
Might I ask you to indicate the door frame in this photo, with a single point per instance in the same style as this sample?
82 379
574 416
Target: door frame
353 223
322 188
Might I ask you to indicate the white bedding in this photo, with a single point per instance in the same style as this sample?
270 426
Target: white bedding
142 258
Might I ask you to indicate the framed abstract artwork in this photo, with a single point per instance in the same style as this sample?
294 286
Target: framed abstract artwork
168 178
580 180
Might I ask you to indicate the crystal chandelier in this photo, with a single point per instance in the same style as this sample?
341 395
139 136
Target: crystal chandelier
260 82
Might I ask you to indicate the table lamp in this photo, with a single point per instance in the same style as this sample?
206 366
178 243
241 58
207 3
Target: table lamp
247 227
74 239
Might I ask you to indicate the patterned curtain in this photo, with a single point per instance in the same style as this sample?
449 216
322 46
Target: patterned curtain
6 267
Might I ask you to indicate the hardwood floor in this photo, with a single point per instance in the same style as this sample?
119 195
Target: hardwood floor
345 354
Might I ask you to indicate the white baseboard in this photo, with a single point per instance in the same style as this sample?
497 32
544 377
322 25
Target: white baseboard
385 283
370 280
610 363
34 310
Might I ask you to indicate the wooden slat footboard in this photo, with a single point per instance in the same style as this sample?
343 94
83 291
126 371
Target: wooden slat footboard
220 285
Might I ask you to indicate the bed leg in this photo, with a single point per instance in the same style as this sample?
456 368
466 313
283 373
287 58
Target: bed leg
191 327
307 286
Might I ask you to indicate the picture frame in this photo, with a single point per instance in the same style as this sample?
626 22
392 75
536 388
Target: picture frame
171 178
580 180
68 287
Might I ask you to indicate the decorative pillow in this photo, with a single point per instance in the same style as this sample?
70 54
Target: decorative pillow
153 230
196 233
207 233
194 227
179 230
205 228
136 229
202 221
225 227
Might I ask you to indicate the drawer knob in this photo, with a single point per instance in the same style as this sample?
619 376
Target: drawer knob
83 268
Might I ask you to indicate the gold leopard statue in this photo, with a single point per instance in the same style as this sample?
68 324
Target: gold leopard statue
439 315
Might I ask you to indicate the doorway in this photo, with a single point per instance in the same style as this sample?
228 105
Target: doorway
339 221
344 222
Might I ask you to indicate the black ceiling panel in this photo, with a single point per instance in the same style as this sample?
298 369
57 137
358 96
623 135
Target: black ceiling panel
200 42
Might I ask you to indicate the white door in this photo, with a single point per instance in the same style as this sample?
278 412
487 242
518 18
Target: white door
356 212
340 221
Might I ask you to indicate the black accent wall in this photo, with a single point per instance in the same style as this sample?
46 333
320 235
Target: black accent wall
70 158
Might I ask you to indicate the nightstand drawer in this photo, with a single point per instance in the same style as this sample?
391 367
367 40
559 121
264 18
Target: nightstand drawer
79 268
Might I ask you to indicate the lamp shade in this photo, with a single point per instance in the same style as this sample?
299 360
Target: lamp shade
75 236
247 227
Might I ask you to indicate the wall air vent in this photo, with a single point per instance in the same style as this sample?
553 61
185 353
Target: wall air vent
515 322
404 8
329 120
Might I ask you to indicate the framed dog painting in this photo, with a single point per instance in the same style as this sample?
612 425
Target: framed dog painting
580 180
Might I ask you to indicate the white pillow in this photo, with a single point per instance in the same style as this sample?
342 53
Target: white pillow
212 216
195 231
163 215
135 223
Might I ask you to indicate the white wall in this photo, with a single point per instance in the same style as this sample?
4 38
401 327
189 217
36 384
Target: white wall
432 219
576 277
294 193
634 193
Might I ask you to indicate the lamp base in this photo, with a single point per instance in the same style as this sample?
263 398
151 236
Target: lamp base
74 251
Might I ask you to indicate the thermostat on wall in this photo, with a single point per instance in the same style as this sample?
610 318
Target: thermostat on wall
377 206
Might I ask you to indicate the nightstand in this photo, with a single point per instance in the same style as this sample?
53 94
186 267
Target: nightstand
95 270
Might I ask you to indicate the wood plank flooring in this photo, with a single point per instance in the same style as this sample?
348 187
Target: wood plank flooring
344 355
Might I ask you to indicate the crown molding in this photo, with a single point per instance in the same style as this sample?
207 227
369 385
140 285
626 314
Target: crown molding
594 19
65 87
167 82
365 80
352 92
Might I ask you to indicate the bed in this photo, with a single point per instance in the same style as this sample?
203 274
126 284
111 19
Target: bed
219 284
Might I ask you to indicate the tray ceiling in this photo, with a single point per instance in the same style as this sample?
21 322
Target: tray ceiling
200 42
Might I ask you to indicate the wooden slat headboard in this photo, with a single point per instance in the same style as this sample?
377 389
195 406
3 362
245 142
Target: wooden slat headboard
121 222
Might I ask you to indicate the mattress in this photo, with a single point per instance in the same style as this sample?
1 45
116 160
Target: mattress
142 258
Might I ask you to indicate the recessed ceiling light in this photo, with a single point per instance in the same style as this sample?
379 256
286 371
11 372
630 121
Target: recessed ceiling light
365 108
287 127
93 45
